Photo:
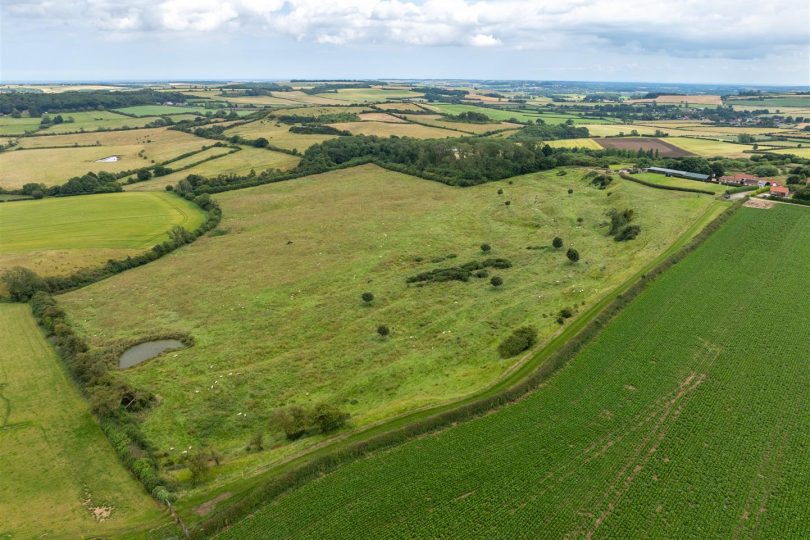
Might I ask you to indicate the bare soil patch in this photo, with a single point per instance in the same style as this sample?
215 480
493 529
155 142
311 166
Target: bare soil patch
644 143
759 203
207 506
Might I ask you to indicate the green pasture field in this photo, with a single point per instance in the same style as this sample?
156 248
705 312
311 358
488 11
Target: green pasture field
82 121
158 110
309 99
612 130
685 418
274 305
710 148
400 129
241 162
60 235
278 134
18 126
673 181
58 470
136 148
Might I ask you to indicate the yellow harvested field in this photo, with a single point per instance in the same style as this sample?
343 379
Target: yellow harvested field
692 99
612 130
320 111
387 129
801 152
440 121
257 100
710 148
242 162
134 149
575 143
301 97
380 117
278 134
399 107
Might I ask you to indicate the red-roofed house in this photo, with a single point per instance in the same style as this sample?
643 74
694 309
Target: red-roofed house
780 191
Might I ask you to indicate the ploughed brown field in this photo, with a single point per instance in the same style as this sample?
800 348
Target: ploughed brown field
644 143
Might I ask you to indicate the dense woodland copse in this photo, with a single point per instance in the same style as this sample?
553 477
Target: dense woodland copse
36 104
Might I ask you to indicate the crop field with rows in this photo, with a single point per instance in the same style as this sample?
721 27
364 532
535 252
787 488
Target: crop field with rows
685 418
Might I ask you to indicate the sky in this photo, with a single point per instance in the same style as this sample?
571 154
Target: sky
688 41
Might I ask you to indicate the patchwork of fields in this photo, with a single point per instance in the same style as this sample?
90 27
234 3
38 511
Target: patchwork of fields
295 258
692 402
78 154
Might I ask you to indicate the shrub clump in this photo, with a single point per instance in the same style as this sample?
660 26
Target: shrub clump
458 273
520 340
296 421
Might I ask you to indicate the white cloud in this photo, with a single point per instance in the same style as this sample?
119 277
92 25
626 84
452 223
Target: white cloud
484 40
725 28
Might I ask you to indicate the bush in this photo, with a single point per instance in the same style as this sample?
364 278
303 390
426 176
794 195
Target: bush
496 281
293 421
367 297
566 313
572 254
557 242
485 248
261 142
383 330
22 283
628 233
328 418
143 174
520 340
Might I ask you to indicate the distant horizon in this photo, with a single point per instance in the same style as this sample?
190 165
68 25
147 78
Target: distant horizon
203 80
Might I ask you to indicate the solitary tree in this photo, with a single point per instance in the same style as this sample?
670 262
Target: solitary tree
573 255
496 281
485 247
500 191
367 297
261 142
383 330
557 242
22 283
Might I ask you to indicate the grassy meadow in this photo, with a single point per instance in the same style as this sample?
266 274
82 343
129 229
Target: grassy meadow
77 154
278 134
442 122
60 235
241 162
60 476
672 181
685 418
273 300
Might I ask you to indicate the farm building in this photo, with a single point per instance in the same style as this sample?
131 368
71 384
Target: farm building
740 179
780 191
679 174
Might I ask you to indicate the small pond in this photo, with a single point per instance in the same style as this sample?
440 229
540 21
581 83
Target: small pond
146 351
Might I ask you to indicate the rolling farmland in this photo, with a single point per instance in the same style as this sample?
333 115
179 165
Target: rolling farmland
278 273
692 402
78 154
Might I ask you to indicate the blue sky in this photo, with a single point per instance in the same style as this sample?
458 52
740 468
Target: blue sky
743 41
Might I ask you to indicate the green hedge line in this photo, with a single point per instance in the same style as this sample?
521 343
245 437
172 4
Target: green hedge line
317 467
670 188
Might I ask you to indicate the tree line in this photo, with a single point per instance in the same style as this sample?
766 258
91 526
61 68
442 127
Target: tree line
14 103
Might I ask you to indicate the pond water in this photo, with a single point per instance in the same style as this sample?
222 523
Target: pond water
147 350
